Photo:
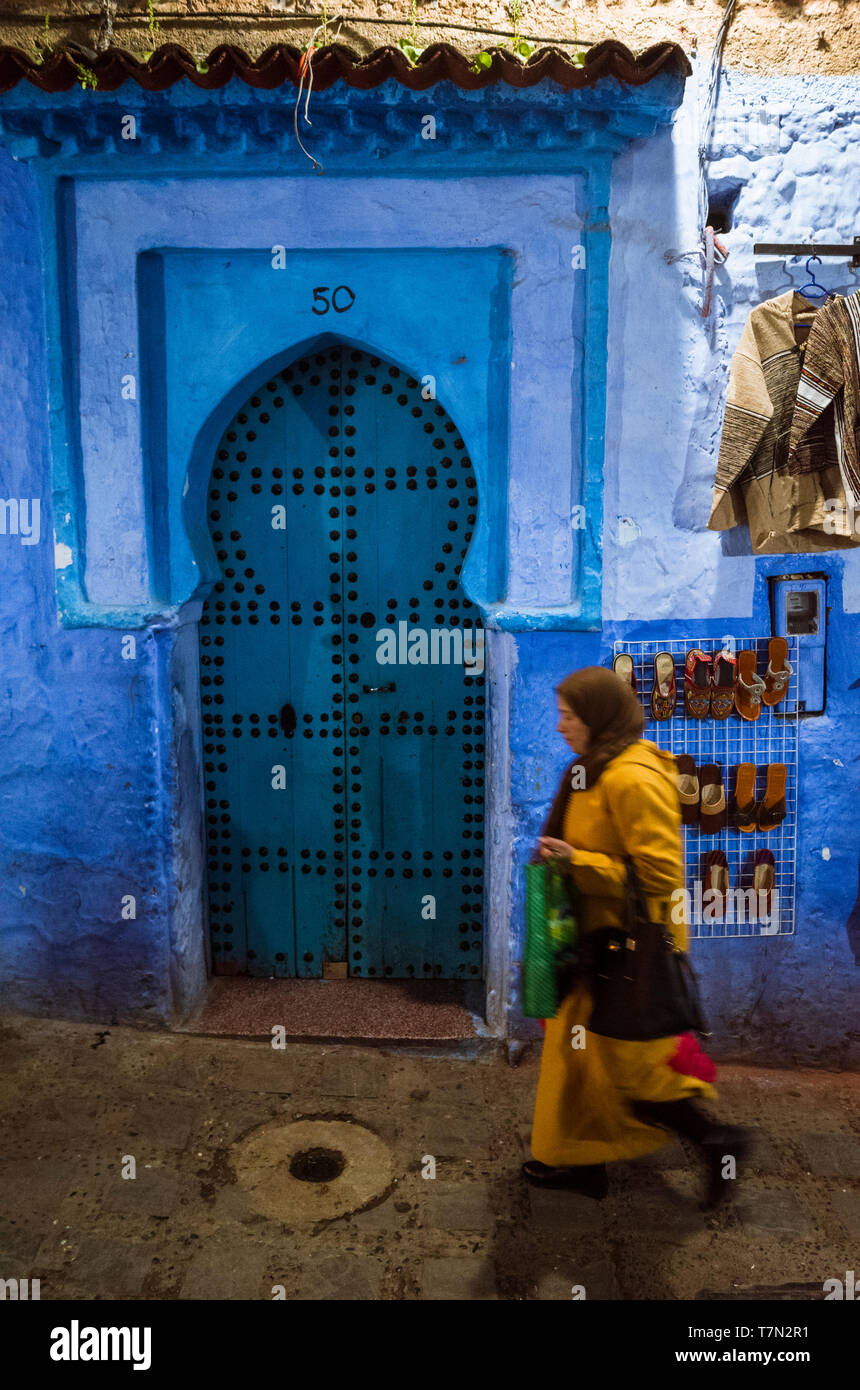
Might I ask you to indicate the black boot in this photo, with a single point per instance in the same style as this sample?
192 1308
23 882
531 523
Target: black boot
590 1180
715 1142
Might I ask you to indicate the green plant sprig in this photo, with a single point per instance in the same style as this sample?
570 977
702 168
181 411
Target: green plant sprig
411 46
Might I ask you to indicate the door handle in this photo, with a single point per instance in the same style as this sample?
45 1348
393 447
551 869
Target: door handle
378 689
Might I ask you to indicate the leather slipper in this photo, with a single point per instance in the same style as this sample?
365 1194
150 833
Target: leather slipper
713 814
664 693
623 667
749 687
743 801
723 685
764 879
688 789
697 684
715 876
779 672
771 811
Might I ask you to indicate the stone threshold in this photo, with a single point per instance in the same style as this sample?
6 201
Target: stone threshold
370 1011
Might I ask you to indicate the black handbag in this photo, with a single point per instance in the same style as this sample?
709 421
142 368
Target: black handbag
643 987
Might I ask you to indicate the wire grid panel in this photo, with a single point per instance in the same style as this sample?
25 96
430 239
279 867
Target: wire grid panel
772 738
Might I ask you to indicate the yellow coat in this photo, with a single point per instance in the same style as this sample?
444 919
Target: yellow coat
581 1111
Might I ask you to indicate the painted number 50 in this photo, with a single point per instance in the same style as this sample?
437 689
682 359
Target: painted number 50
320 298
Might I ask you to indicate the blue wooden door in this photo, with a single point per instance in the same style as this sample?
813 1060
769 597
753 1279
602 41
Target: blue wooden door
343 727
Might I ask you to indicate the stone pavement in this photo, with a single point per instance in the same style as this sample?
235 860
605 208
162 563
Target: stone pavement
300 1174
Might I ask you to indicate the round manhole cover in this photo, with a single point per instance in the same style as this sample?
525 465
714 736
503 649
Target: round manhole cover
312 1170
317 1165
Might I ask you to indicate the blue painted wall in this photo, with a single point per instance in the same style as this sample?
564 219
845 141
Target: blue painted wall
99 780
81 802
783 149
791 998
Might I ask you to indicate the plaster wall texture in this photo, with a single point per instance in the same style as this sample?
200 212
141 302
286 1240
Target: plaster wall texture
80 797
104 754
785 36
665 576
236 313
786 152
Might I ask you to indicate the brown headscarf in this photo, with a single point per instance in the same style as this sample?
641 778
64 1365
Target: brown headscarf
606 704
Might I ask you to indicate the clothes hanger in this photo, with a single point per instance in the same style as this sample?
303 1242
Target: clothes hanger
812 283
804 318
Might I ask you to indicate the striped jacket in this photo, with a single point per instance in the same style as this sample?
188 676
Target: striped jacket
785 508
829 389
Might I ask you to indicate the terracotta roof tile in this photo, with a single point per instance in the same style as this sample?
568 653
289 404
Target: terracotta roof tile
336 63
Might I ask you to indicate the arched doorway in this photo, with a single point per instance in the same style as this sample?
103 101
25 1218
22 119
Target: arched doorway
343 728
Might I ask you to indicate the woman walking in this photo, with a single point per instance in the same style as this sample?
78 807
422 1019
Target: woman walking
607 1099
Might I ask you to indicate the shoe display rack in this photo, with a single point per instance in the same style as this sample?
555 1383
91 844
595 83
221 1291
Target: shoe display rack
772 738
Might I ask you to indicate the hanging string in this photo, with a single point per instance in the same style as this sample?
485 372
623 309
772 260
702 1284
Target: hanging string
710 243
710 250
710 109
306 69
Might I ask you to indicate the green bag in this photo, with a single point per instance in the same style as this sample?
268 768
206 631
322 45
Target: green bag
551 937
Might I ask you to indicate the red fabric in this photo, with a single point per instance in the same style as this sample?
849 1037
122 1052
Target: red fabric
690 1060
